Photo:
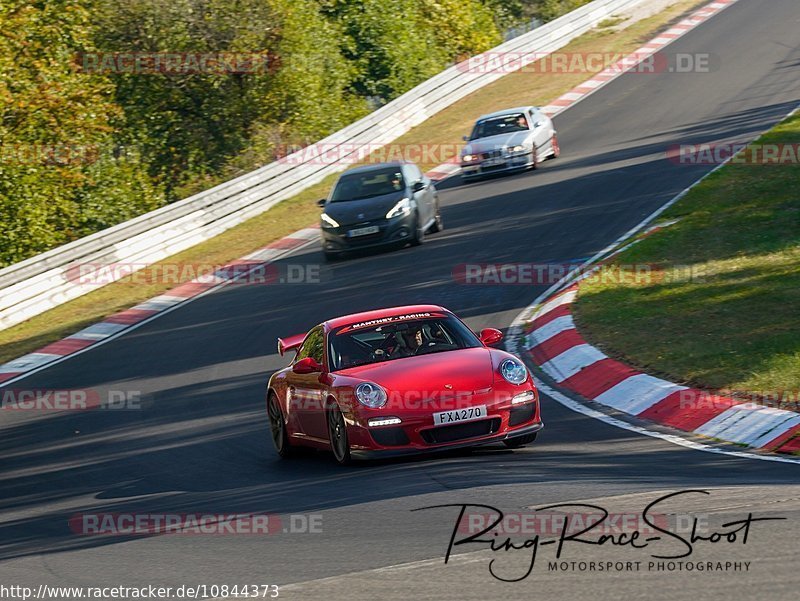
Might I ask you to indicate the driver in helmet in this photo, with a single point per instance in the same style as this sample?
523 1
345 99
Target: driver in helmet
397 181
412 340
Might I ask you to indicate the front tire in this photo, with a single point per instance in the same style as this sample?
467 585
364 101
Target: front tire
419 233
556 148
337 433
520 441
438 223
535 161
277 426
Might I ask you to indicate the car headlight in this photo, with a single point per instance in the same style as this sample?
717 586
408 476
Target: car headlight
518 149
401 208
513 371
469 157
328 220
371 395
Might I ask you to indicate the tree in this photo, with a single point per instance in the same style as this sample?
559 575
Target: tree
194 122
55 123
397 44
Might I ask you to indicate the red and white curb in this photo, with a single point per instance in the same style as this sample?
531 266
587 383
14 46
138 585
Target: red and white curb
557 347
629 62
115 325
445 170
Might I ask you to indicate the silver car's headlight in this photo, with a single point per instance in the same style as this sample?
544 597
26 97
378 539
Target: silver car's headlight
371 395
401 208
467 158
513 371
519 149
328 220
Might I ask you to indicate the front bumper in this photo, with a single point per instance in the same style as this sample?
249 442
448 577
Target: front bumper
464 444
418 434
500 164
390 231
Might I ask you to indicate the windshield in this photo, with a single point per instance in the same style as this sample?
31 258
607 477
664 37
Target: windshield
396 338
355 186
496 126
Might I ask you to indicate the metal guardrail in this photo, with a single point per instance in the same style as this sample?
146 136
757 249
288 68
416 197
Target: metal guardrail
521 29
35 285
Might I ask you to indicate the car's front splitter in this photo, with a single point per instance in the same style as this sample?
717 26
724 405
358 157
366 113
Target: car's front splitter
461 444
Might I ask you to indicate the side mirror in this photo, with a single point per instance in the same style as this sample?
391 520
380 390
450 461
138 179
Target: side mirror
321 202
419 186
490 336
538 124
465 138
307 365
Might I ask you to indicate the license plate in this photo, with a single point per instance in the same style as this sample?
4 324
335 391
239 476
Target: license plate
493 162
364 231
457 416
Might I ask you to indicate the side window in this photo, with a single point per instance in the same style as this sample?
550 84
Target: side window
313 346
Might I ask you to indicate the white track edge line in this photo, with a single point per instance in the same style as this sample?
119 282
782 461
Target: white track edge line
673 438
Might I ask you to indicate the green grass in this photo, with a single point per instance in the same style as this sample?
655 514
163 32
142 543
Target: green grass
734 325
444 128
610 22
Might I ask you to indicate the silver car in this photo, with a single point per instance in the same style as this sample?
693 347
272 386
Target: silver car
509 140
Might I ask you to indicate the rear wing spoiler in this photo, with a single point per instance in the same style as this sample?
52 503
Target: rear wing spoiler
290 343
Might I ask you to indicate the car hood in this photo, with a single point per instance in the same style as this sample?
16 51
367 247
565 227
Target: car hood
464 371
501 142
368 209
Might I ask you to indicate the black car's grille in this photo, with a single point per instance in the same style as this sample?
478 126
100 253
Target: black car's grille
389 437
521 414
460 431
368 239
365 239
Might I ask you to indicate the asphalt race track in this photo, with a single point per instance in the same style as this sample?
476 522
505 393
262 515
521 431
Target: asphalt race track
201 444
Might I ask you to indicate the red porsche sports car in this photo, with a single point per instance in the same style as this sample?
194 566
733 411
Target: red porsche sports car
401 380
